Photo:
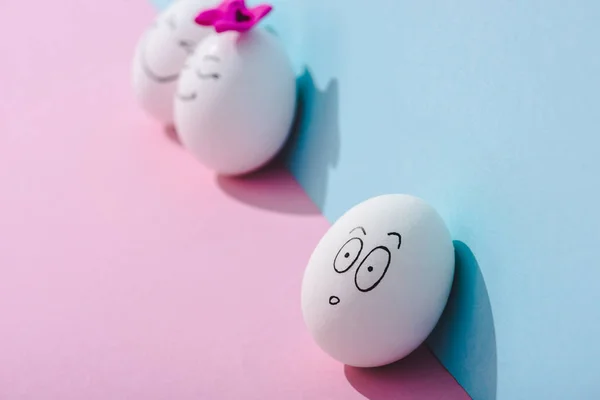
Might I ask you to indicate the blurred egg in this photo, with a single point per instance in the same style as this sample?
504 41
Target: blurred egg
235 101
162 51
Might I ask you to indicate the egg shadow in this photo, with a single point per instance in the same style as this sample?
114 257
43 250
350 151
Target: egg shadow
301 167
419 376
463 343
314 144
171 134
464 339
271 188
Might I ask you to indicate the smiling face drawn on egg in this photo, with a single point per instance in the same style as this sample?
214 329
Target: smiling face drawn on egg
206 70
373 267
162 52
168 28
235 101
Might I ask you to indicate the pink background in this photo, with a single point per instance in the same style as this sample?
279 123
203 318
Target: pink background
127 270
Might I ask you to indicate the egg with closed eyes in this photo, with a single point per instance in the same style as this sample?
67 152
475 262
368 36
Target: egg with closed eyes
236 96
378 281
162 51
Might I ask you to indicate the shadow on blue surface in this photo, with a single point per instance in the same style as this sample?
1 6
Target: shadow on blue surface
419 376
464 339
270 188
313 147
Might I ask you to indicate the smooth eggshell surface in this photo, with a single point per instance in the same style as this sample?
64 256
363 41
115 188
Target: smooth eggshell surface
235 101
162 51
378 281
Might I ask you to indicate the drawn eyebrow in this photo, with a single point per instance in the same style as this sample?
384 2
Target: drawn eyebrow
212 58
399 237
361 228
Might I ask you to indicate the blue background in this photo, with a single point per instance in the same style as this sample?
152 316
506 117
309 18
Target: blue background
490 111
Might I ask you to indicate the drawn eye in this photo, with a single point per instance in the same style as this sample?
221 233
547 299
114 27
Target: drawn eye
188 46
203 75
373 268
347 255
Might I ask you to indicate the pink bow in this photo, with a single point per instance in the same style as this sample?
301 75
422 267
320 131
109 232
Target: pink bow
233 15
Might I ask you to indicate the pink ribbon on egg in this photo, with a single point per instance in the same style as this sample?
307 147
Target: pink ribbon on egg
233 15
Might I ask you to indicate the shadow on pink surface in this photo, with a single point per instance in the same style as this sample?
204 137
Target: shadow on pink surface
172 136
417 377
271 188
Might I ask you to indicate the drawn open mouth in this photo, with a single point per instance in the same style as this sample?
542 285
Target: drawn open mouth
187 97
333 300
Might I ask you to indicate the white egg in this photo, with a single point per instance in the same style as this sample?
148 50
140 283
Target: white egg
162 51
235 101
378 281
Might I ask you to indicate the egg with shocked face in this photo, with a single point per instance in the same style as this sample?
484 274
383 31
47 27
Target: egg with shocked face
236 95
378 281
161 52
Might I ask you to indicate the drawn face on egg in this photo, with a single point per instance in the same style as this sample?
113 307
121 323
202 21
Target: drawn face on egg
162 52
378 281
204 67
164 31
216 69
371 264
235 101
